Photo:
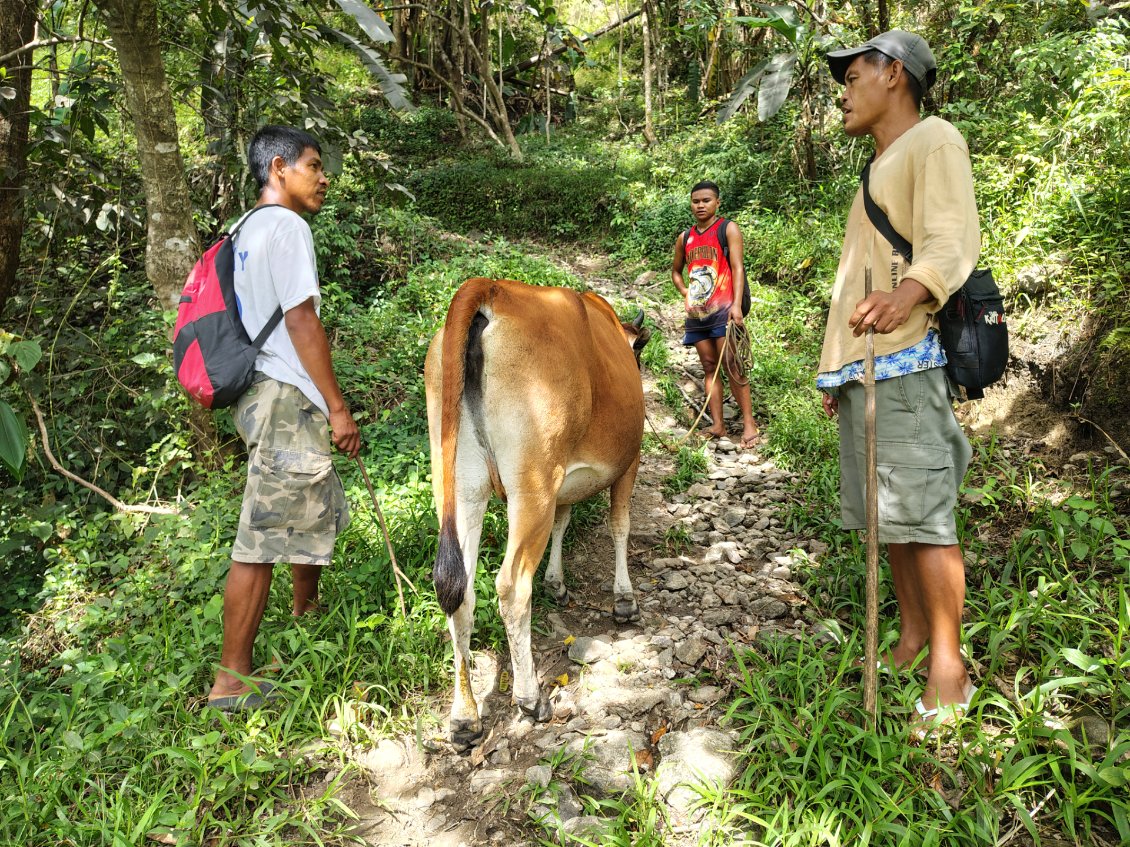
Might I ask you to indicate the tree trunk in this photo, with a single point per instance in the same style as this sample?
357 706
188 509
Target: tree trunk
884 16
17 28
172 244
648 123
548 93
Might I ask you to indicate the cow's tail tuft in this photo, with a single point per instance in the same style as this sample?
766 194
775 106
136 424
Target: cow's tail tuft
450 571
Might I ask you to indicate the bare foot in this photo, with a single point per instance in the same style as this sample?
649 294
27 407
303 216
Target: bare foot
711 433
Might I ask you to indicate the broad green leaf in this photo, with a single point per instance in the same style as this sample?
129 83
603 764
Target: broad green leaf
370 22
1080 659
784 19
390 83
13 441
72 739
1077 502
1080 550
26 353
214 607
146 359
745 87
775 85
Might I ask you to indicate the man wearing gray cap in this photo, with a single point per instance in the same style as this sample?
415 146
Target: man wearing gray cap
920 177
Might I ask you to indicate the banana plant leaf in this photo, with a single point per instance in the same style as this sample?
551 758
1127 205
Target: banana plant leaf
391 84
784 19
775 85
370 22
771 78
745 87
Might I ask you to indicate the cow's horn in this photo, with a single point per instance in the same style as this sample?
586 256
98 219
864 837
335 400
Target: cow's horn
637 321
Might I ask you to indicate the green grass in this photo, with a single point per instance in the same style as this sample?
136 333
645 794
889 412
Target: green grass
690 465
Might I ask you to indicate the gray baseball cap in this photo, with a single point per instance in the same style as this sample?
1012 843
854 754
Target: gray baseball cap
912 50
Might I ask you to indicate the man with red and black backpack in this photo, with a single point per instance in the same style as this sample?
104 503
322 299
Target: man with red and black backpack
710 253
293 504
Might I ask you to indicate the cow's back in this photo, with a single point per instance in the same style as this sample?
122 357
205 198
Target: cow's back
560 385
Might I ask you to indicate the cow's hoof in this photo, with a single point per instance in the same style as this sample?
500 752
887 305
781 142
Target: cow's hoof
466 734
557 592
626 609
538 709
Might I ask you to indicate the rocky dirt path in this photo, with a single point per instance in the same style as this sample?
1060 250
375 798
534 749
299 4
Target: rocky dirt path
712 570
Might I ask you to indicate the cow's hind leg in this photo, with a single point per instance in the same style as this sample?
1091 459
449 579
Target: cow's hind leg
530 517
465 725
554 582
624 609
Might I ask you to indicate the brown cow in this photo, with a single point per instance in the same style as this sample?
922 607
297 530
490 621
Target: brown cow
533 394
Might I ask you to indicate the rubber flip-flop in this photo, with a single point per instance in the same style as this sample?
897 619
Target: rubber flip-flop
246 701
930 719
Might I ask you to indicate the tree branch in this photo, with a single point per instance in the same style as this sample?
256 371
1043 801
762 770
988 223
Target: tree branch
450 87
47 42
541 57
114 501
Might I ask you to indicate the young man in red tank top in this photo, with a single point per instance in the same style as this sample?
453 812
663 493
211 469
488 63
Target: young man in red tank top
713 299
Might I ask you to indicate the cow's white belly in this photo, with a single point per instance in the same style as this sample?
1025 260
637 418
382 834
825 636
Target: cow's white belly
584 480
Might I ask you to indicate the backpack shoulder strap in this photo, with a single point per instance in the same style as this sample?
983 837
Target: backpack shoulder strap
239 225
879 217
266 331
722 242
269 327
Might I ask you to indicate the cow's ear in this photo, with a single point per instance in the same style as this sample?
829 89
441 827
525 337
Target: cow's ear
642 338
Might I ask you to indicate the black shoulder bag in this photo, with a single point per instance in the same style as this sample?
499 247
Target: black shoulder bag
972 326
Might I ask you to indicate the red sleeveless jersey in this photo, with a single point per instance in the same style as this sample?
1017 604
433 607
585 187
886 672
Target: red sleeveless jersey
709 282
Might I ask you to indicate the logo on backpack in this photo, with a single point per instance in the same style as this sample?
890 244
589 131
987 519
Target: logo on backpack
213 356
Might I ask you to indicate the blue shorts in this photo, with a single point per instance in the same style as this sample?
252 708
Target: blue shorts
699 330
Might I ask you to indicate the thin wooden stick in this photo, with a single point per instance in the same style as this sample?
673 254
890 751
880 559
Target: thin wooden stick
871 643
101 492
388 542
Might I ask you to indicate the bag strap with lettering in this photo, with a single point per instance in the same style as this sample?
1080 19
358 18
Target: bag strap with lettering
879 218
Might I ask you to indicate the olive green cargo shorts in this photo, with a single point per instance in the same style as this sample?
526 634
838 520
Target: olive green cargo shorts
294 504
922 458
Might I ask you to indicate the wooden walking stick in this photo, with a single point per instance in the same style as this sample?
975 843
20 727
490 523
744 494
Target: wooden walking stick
388 543
871 643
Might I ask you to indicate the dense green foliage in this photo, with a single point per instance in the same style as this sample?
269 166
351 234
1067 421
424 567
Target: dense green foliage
111 621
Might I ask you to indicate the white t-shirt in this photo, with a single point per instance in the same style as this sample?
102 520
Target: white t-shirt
275 266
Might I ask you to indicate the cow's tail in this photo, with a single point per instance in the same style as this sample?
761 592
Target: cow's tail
450 572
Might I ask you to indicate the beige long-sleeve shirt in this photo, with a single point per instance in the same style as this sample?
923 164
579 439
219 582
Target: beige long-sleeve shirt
924 182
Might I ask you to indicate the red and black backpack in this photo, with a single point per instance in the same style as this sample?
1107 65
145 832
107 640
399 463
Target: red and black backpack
213 356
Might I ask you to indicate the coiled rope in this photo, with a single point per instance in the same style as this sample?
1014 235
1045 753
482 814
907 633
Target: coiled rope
737 344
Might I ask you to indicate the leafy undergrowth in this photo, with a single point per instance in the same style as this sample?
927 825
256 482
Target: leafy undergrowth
106 738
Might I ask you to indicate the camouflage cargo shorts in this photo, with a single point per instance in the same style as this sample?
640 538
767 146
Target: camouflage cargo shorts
293 504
